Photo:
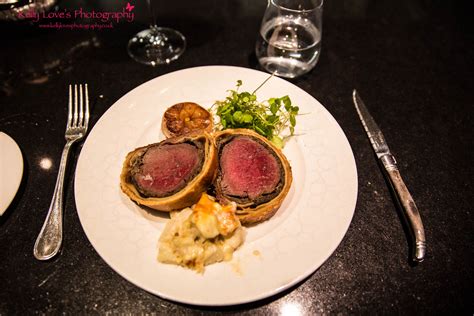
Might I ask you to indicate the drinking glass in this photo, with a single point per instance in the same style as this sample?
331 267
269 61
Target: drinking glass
289 41
156 45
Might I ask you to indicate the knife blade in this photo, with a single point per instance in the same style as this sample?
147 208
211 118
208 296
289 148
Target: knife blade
390 165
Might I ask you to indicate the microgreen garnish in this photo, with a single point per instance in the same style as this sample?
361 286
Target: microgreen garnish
269 118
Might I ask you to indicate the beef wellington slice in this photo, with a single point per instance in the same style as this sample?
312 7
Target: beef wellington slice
172 174
251 172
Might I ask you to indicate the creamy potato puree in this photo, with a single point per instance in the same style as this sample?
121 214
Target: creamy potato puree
202 235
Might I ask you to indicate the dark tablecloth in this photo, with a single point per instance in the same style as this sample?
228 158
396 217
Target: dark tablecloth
412 61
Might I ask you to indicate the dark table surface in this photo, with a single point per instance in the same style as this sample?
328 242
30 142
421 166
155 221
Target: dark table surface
412 61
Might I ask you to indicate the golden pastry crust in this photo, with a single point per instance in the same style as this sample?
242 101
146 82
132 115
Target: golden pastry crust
191 193
184 118
249 215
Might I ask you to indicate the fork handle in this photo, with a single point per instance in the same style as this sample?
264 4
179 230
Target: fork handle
50 238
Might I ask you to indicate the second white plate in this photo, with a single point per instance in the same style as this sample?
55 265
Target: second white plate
11 170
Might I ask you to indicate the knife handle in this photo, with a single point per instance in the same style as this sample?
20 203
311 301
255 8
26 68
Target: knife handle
409 206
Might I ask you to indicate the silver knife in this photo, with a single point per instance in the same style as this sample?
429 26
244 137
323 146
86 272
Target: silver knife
390 164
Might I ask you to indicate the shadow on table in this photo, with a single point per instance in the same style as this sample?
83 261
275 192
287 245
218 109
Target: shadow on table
35 56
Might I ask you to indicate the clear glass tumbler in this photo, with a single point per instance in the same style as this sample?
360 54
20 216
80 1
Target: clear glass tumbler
289 42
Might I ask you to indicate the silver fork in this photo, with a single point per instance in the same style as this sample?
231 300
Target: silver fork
50 238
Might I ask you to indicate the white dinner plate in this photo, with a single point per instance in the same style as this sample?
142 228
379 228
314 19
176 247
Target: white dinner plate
277 253
11 170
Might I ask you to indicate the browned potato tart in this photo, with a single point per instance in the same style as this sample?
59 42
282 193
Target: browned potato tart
184 118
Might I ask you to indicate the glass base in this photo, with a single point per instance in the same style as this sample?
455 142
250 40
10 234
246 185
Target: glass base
156 46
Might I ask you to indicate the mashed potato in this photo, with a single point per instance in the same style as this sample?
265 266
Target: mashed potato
205 234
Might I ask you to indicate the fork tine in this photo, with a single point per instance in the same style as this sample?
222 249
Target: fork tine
81 107
69 108
74 123
86 116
